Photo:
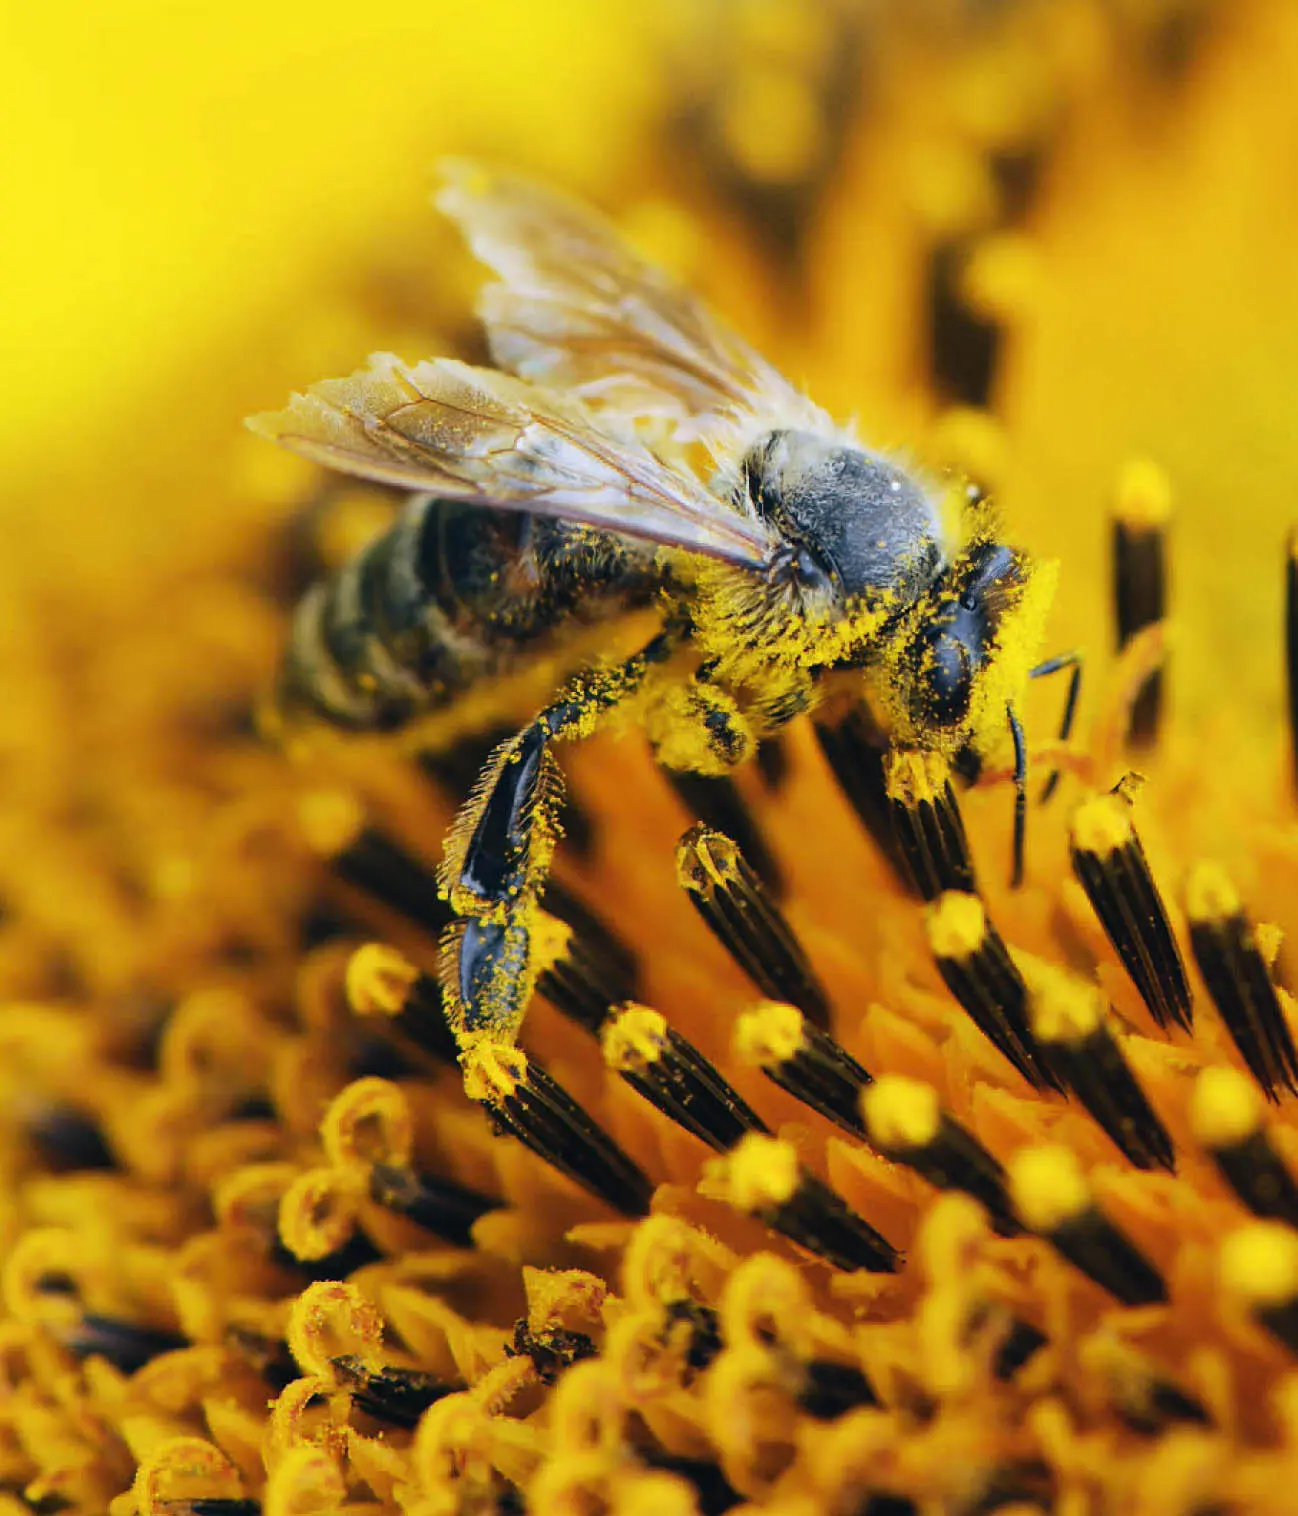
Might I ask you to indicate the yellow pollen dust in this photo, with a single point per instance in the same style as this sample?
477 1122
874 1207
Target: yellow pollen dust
492 1071
915 778
379 980
1001 277
1225 1108
634 1039
773 124
1143 497
956 924
760 1174
768 1033
1209 894
1048 1186
900 1112
551 939
1062 1008
330 820
1102 826
1259 1264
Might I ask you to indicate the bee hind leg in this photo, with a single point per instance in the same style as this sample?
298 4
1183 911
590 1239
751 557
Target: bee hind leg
499 851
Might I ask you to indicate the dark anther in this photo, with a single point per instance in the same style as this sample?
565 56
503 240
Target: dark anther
378 1057
1112 868
379 866
126 1346
673 1076
551 1351
1053 1200
548 1120
704 1329
1258 1267
717 803
1140 580
438 1205
324 922
927 825
879 1503
712 1491
1022 1487
270 1356
855 750
1233 968
822 1222
1156 1404
583 975
773 763
356 1253
830 1390
765 1179
214 1505
906 1123
805 1061
963 346
1226 1117
69 1140
496 857
1019 1344
397 1396
978 970
591 928
1069 1021
736 906
384 987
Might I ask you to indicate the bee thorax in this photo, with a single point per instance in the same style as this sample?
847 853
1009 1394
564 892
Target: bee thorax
851 515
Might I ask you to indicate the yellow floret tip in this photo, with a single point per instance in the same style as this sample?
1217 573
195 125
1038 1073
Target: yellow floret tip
1048 1187
956 924
768 1034
901 1113
1225 1108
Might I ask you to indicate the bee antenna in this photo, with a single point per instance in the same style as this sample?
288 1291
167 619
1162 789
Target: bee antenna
1020 795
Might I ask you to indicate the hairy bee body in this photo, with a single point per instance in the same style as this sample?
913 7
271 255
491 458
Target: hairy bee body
448 597
627 452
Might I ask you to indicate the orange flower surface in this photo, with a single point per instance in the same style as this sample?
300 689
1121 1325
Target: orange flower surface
836 1175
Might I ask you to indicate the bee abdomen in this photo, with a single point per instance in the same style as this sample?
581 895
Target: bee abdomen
373 646
447 594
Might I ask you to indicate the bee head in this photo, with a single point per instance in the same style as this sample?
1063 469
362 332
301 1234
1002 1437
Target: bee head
954 634
852 525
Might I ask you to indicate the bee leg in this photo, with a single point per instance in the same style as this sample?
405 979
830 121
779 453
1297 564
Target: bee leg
698 728
499 850
1054 666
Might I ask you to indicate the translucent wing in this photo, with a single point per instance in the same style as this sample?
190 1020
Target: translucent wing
472 434
576 308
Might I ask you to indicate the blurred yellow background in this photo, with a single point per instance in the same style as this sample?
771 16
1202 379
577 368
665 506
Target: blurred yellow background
176 172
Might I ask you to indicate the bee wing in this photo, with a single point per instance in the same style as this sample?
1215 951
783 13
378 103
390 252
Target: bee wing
472 434
576 308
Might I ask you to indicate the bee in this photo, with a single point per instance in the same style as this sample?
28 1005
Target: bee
628 453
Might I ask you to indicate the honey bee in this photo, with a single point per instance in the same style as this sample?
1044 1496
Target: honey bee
629 452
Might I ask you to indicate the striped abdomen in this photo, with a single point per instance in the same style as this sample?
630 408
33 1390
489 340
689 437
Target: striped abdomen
449 594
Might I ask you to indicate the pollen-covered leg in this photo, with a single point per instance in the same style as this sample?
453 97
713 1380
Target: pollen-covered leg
698 728
499 850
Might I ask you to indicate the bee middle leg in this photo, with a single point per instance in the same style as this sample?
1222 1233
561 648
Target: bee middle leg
498 857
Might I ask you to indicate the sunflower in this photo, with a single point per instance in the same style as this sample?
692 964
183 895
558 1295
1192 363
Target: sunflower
846 1177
